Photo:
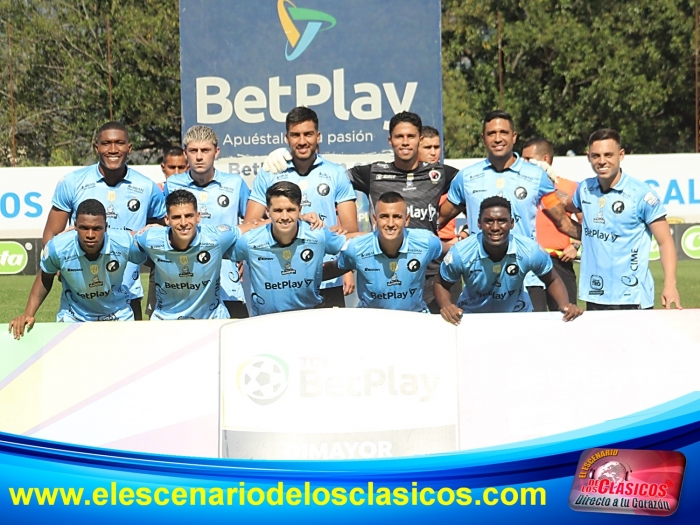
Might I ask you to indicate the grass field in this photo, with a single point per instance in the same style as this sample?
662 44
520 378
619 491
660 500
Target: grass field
14 290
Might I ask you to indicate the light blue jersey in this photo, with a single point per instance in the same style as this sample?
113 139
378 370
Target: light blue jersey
494 286
289 277
616 241
222 201
188 283
325 186
386 282
92 290
129 204
523 184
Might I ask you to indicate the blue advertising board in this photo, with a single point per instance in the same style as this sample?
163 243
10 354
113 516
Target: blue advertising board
245 64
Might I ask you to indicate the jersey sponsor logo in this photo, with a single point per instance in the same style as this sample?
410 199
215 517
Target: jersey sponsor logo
385 176
512 269
183 286
265 258
110 317
634 259
112 266
597 234
435 176
133 205
87 186
477 191
289 285
618 207
596 283
413 265
409 182
161 260
382 165
93 295
223 201
520 193
599 219
111 214
135 189
95 282
288 270
519 306
323 189
203 257
394 281
367 269
392 296
305 200
204 213
307 255
423 214
185 272
630 281
651 199
261 246
74 270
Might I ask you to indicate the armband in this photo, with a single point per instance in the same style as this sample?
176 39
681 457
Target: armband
550 200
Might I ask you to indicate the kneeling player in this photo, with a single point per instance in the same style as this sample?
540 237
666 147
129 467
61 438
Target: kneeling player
391 262
92 264
493 264
285 258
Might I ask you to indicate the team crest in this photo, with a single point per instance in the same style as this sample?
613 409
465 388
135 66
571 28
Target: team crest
111 196
184 259
203 257
512 269
323 189
500 183
434 175
203 196
112 266
496 268
303 184
618 207
133 205
94 269
520 193
287 255
223 201
307 255
413 265
601 202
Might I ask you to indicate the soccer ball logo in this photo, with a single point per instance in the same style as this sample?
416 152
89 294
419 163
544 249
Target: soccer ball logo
133 205
264 379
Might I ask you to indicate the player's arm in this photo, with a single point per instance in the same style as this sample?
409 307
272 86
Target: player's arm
554 209
449 211
360 178
254 211
441 289
662 233
40 289
455 202
557 291
55 224
331 270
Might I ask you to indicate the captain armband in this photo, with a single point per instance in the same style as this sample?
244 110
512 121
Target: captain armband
551 200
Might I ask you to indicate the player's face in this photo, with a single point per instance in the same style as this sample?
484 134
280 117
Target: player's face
605 157
174 164
404 140
183 220
283 213
495 223
113 148
201 156
499 138
531 152
91 232
429 149
391 219
303 140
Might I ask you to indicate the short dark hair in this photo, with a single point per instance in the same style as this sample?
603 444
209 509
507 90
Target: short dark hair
111 125
391 197
91 207
430 132
284 189
301 114
605 134
493 202
179 198
174 151
493 115
406 116
542 143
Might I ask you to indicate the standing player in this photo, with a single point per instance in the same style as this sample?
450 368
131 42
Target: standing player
325 190
620 214
221 199
493 265
131 199
504 173
92 263
561 248
285 257
391 262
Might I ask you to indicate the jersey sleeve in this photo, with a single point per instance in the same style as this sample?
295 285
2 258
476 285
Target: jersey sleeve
450 174
227 237
540 260
576 197
344 191
346 257
156 204
334 242
239 251
244 195
135 255
359 178
64 194
456 193
451 266
260 185
546 185
49 259
141 240
434 247
649 207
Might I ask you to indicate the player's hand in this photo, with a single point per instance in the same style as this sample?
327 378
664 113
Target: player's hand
452 314
18 323
568 254
313 219
69 228
547 168
276 161
670 296
239 265
348 283
339 230
571 312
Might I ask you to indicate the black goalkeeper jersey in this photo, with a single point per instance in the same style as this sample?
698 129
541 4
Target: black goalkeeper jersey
422 188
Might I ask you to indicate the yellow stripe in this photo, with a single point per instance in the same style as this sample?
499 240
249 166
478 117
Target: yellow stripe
290 29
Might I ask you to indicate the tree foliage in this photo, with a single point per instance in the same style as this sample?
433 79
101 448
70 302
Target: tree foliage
62 73
570 67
